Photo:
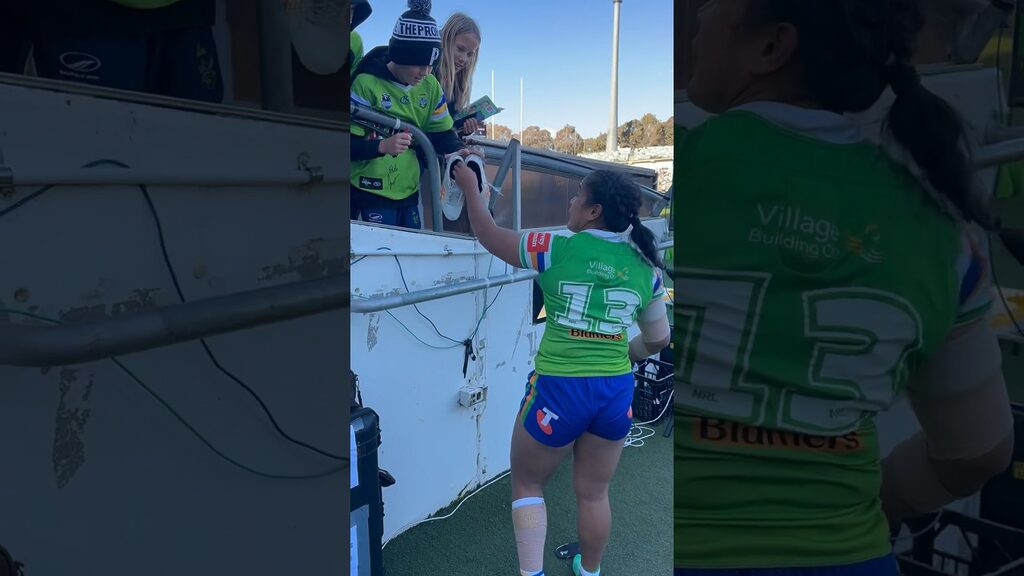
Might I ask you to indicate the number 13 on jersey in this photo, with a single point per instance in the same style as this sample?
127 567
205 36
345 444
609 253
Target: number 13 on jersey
841 352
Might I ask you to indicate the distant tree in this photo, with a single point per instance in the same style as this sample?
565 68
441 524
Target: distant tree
630 134
537 137
568 140
668 132
650 133
501 133
595 144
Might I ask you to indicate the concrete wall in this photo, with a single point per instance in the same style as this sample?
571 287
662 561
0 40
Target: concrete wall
436 449
98 477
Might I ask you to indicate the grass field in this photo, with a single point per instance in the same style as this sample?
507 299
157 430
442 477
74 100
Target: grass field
478 540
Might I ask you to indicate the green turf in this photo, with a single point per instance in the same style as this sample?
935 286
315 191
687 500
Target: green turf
478 540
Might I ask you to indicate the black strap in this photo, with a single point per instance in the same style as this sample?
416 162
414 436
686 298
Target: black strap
470 354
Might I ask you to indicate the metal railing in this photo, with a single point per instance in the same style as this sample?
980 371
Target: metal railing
381 303
512 159
164 177
569 167
72 343
109 172
40 345
333 125
1001 153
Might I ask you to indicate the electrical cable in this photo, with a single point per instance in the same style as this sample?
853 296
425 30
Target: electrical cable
401 273
181 296
206 346
922 531
450 514
455 343
642 431
631 440
25 200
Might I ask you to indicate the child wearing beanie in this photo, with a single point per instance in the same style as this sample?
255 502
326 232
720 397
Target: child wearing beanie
396 80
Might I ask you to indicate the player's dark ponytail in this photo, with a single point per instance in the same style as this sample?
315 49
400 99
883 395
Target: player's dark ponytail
874 41
619 198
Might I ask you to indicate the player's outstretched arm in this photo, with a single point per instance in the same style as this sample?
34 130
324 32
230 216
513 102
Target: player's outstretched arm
960 399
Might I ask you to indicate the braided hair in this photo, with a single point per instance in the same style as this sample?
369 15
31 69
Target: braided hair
620 202
874 41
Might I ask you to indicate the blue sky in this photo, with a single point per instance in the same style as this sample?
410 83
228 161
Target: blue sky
562 50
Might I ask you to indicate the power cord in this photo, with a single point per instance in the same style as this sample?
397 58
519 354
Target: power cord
25 200
455 343
206 347
415 307
922 531
631 440
639 431
448 515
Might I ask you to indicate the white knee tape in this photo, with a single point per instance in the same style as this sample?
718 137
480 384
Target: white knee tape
530 522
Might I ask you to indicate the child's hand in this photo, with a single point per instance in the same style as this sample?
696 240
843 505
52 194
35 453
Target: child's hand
470 126
396 144
472 150
465 178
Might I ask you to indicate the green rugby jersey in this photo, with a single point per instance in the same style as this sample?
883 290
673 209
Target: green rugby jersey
423 105
813 275
355 47
595 285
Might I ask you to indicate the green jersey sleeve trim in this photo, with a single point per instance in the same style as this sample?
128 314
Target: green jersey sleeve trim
658 290
974 278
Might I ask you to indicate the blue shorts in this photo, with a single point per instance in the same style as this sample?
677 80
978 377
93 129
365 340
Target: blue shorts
884 566
557 410
370 207
406 216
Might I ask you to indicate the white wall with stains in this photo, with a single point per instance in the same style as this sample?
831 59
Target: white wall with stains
98 478
437 450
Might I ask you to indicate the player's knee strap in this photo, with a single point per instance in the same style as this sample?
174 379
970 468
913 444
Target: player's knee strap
530 522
